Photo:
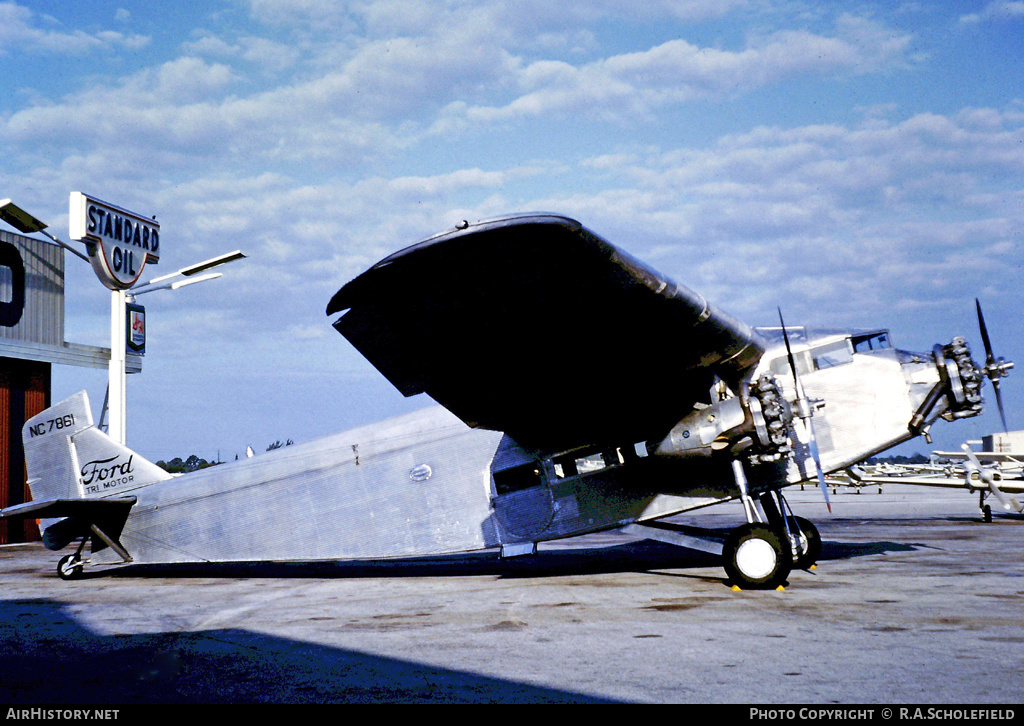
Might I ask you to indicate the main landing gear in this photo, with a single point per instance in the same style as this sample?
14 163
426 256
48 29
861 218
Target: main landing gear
760 554
756 557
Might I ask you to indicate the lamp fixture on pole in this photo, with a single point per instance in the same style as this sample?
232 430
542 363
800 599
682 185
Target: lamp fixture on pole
117 385
27 224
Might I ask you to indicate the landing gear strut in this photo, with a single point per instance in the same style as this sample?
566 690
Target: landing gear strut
759 554
804 539
72 567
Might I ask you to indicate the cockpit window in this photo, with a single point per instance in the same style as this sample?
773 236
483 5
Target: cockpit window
873 341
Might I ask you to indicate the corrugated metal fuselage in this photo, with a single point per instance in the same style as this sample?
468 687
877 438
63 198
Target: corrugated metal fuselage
413 486
410 486
427 484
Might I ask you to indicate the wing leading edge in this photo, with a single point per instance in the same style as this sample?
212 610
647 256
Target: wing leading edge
535 326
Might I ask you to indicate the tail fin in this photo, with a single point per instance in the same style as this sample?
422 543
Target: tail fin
69 458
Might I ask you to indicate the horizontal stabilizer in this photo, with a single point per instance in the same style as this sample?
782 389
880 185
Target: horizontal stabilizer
104 518
55 508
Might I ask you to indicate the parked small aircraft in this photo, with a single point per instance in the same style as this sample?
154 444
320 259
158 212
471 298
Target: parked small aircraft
985 473
580 391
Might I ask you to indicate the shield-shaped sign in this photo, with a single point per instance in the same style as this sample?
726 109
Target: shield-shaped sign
120 242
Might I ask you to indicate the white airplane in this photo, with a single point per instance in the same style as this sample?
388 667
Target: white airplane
580 391
985 473
859 476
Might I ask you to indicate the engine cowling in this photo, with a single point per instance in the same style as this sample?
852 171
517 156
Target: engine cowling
959 384
755 424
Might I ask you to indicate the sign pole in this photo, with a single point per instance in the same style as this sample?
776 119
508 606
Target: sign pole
117 380
120 243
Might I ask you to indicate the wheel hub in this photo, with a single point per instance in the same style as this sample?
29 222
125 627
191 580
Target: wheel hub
756 558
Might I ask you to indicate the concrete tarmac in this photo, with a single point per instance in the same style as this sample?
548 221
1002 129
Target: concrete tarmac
915 600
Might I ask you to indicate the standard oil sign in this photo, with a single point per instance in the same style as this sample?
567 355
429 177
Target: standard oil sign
120 242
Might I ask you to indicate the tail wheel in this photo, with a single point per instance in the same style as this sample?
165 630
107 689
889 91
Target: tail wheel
70 567
757 558
809 541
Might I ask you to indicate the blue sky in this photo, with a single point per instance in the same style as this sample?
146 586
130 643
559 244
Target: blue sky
857 164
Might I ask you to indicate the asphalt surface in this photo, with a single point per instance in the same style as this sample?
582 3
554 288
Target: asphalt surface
915 600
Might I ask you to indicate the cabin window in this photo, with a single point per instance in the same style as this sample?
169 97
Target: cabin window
577 463
832 355
574 464
874 341
517 478
565 466
780 366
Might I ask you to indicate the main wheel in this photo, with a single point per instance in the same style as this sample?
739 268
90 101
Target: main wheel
70 568
756 557
809 540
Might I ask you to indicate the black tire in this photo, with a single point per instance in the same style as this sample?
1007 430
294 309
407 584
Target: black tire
70 568
755 557
810 543
986 514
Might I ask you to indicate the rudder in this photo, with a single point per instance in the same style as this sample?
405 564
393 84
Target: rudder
67 457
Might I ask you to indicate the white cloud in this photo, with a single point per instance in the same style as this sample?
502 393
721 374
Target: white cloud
998 10
19 30
270 57
676 71
836 218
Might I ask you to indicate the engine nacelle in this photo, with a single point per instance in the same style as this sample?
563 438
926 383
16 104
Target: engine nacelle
959 383
754 424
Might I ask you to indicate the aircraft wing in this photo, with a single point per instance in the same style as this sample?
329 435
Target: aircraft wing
983 456
535 326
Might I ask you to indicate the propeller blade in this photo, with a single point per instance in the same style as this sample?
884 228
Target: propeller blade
994 369
817 465
805 413
989 356
789 355
999 403
972 462
987 475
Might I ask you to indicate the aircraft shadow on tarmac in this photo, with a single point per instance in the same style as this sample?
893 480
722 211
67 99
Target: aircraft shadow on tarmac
559 561
50 658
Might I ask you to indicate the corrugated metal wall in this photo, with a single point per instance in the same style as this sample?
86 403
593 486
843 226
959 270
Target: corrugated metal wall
24 392
34 309
31 311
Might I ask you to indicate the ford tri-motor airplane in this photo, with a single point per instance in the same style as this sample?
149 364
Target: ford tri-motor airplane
580 391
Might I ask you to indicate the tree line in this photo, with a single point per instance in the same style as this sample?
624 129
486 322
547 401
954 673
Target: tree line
177 465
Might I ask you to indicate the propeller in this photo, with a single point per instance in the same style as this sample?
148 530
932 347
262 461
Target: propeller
804 412
989 477
994 368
